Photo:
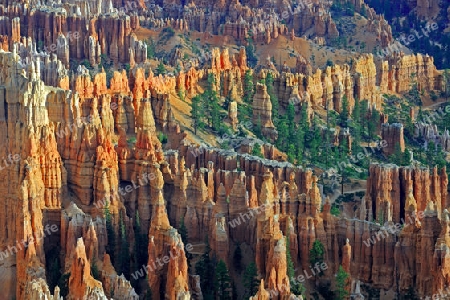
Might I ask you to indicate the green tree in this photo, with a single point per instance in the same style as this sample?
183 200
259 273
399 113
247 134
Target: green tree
210 101
53 266
300 144
315 143
110 232
316 257
222 282
197 113
63 284
161 69
185 238
237 258
283 134
397 157
252 60
249 88
140 245
290 116
251 282
356 127
95 271
373 123
316 254
205 269
410 294
148 294
256 150
296 287
343 116
124 266
151 48
291 153
258 128
341 284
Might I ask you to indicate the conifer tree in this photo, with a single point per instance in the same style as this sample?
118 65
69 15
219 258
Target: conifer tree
251 282
211 103
373 123
197 113
124 267
341 284
283 135
237 258
161 69
140 244
252 60
185 237
290 116
249 88
296 287
205 269
110 247
317 252
356 130
222 282
343 117
258 128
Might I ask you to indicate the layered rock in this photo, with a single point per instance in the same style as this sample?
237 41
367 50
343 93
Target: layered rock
393 135
431 134
81 283
262 112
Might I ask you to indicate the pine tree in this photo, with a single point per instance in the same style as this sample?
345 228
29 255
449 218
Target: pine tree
363 117
197 113
397 157
63 284
291 153
161 69
249 88
222 282
258 128
356 132
140 245
205 269
124 251
341 284
252 60
148 295
296 287
283 135
304 125
316 255
95 271
251 282
343 117
373 123
316 142
53 267
110 247
300 144
237 258
256 150
211 103
185 237
290 116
